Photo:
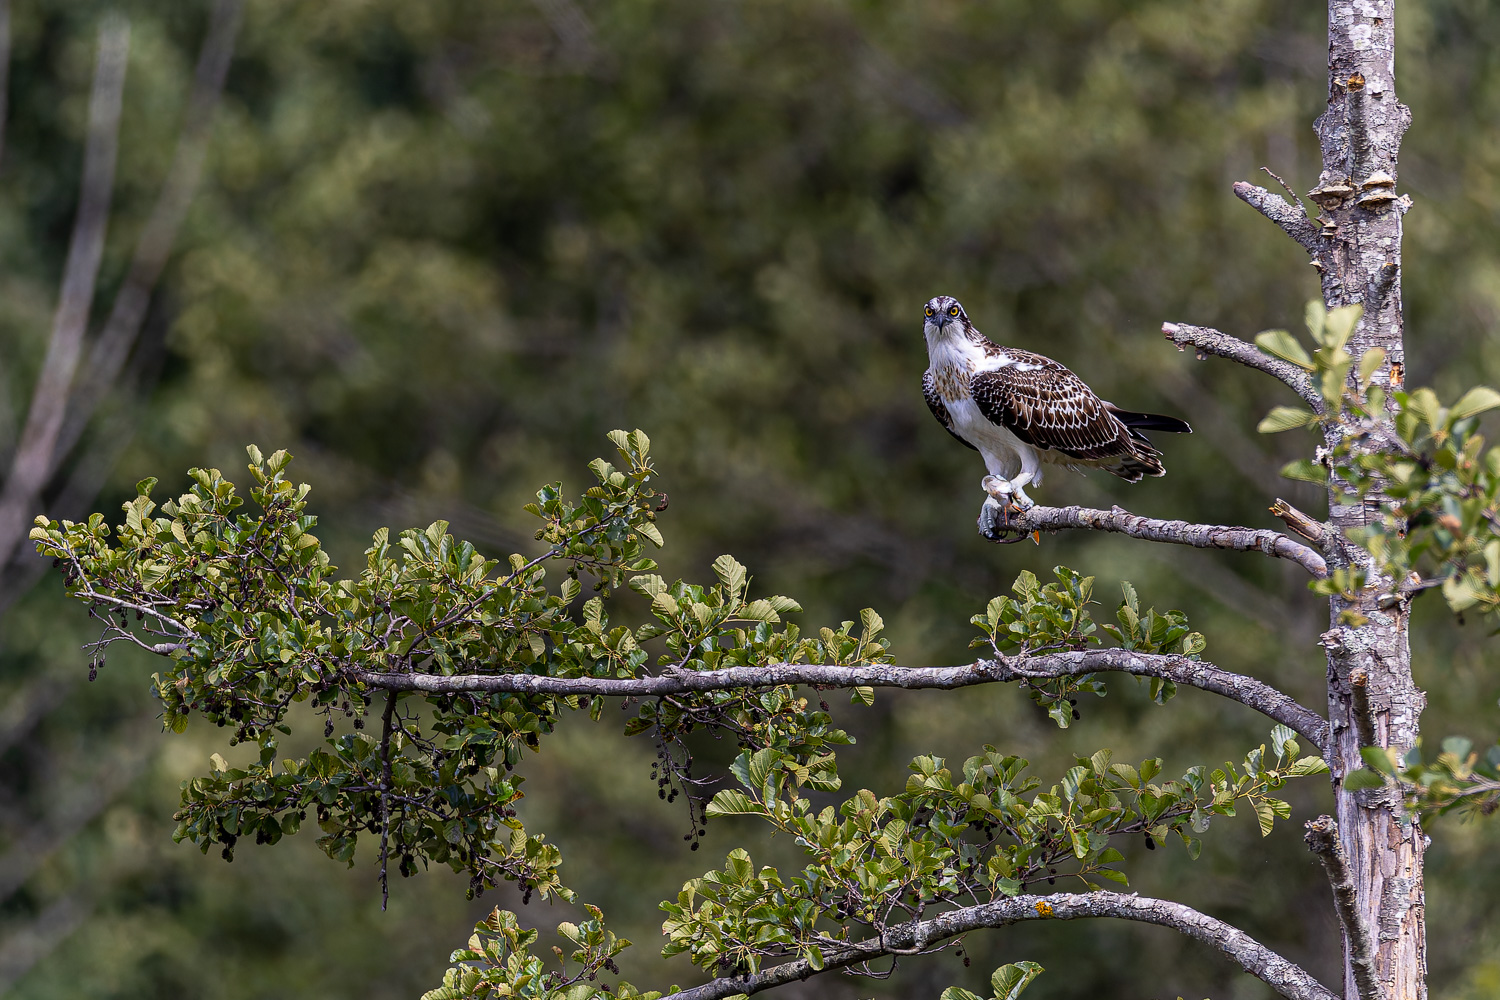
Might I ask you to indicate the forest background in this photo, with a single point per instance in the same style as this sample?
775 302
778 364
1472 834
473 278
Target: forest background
441 248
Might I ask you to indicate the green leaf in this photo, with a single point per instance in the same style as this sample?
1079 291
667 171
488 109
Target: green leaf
1370 363
1458 746
1266 816
1280 736
815 958
1308 765
1378 759
1281 344
1363 778
731 572
761 763
959 993
1286 418
1476 400
1314 315
1306 471
862 695
733 802
1009 980
1339 324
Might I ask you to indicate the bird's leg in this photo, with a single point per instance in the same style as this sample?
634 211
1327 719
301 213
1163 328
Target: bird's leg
1008 493
1022 501
1006 497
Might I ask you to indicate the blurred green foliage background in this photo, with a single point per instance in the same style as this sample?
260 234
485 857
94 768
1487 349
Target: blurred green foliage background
442 247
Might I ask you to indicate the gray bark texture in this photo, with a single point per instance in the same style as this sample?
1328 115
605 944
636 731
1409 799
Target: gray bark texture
1286 978
1248 691
1360 135
1371 694
1017 525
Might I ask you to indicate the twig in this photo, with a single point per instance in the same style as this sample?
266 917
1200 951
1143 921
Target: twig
1286 187
1202 536
1246 690
1292 221
160 233
1322 839
1282 975
32 465
386 722
1210 341
1303 524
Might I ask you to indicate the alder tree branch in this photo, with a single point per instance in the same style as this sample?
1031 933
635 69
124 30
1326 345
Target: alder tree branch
1209 341
154 246
1248 691
1285 977
1202 536
1323 840
1291 220
32 464
1303 524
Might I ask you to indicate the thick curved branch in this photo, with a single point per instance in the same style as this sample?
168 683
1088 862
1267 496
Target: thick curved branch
1247 691
1282 975
1322 839
1290 219
1206 340
1202 536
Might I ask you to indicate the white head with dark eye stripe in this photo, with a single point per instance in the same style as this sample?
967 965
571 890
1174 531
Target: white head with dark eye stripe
944 315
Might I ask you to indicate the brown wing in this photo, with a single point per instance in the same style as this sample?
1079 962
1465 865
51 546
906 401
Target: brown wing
939 410
1047 406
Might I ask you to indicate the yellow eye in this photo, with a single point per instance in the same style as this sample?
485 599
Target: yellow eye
953 310
929 310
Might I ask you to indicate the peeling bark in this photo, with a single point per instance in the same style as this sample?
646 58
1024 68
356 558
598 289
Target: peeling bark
1360 135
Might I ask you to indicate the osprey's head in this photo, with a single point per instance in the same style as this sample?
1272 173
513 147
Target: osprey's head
942 312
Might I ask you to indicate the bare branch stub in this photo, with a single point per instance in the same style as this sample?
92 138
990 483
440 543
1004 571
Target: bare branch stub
1290 219
1303 524
1322 839
1202 536
1282 975
1206 340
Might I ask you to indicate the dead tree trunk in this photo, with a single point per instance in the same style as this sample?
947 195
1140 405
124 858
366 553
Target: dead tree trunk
1372 699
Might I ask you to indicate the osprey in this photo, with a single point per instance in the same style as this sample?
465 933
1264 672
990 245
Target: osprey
1021 411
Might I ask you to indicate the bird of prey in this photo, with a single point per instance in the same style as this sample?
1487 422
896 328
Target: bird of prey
1022 411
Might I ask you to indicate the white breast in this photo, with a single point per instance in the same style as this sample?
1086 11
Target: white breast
1004 453
954 361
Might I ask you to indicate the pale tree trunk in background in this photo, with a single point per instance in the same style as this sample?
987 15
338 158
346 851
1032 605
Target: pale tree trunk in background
1360 134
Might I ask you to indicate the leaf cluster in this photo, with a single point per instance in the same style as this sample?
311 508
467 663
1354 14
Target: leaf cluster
498 963
947 839
259 632
1422 463
1055 618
